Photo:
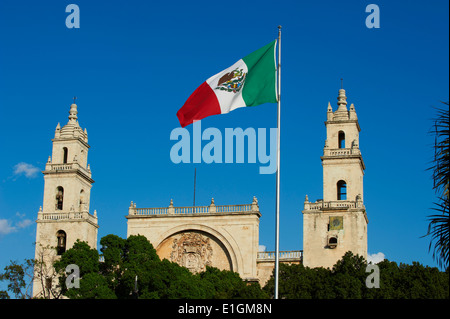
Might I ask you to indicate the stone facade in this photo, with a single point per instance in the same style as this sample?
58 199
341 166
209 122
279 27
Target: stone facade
338 222
223 236
226 237
64 216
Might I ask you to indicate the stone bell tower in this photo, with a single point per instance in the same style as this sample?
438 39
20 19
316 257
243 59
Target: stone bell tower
65 216
338 222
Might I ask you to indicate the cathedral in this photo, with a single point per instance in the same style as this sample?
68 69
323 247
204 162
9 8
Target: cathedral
222 236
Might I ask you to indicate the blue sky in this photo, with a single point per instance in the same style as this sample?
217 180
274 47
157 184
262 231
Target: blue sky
133 64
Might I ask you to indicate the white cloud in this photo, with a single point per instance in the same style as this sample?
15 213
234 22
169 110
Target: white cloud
375 258
24 223
6 227
261 248
26 169
20 215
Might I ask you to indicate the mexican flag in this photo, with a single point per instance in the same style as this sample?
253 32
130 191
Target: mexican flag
249 82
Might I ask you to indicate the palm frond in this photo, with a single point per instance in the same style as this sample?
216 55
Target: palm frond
439 224
438 228
441 162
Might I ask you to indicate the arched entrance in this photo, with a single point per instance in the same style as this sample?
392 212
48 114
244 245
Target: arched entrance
195 247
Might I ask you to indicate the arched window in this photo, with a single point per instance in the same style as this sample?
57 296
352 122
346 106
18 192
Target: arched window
341 139
341 190
66 153
59 198
332 242
82 200
61 242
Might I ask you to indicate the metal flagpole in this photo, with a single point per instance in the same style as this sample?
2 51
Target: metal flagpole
277 218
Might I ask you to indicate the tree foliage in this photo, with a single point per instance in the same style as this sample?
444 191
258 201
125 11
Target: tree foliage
347 280
19 278
131 269
223 284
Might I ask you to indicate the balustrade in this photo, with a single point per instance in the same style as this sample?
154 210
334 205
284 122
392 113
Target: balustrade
212 209
283 255
65 216
67 167
341 151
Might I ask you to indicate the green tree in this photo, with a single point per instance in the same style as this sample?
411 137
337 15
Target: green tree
112 249
391 280
131 269
225 284
347 280
299 282
20 278
134 270
139 250
349 275
92 284
4 295
180 282
138 272
85 257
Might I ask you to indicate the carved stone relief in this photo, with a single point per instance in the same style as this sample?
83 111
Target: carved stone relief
193 251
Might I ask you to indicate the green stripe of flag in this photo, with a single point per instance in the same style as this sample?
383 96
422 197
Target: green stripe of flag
260 84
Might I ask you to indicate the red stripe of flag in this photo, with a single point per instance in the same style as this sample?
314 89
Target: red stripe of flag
202 103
